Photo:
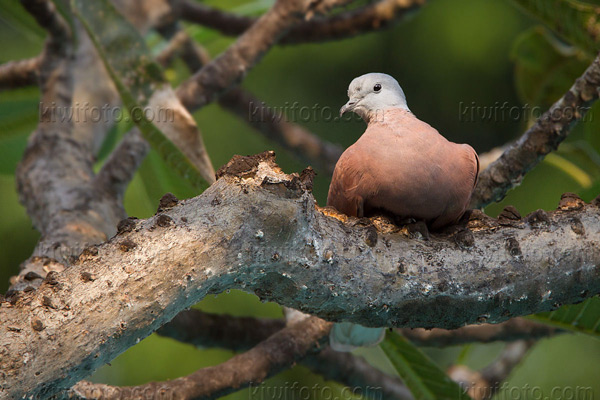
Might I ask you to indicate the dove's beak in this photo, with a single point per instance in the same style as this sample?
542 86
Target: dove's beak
349 106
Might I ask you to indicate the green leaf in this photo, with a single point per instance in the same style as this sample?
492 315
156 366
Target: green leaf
544 68
159 179
576 21
16 17
571 169
583 317
136 76
424 379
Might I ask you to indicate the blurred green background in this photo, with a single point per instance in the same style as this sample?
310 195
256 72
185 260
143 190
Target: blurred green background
449 56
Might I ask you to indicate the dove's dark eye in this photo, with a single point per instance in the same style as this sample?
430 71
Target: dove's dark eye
377 87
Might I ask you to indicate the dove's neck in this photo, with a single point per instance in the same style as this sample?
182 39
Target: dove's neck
383 114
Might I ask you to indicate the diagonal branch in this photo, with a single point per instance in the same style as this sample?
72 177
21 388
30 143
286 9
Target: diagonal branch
305 145
217 76
356 372
302 143
259 230
275 353
120 168
542 138
240 333
231 66
374 16
484 384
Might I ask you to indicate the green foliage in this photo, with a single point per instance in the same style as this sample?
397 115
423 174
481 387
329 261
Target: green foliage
576 21
136 76
583 317
425 380
544 68
12 12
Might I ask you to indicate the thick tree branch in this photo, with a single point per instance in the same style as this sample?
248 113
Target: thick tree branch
542 138
58 192
20 73
374 16
275 353
259 230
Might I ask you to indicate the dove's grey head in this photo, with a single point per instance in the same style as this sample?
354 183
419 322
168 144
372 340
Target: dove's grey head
371 94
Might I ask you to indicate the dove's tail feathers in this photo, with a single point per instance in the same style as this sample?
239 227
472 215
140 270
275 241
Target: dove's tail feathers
346 336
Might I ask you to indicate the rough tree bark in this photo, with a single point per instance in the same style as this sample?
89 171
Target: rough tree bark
288 250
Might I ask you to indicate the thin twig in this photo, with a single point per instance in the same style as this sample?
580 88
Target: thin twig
371 17
239 333
513 329
484 384
124 161
20 73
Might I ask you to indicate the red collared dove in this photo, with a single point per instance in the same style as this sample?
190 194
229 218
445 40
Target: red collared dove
399 166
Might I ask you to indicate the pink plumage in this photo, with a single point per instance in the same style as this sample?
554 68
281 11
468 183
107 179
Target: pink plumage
403 166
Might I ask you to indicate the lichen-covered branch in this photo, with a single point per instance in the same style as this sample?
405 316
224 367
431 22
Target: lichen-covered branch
373 16
542 138
259 230
275 353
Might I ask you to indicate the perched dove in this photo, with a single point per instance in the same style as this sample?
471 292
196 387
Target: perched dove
399 166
